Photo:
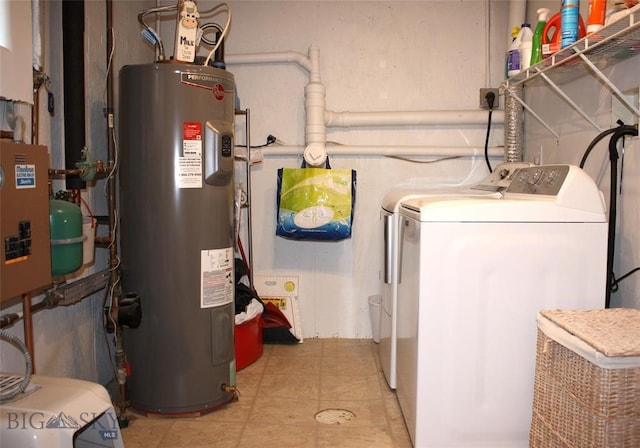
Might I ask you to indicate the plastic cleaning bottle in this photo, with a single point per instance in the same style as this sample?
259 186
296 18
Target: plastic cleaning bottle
569 18
536 41
526 45
513 57
597 12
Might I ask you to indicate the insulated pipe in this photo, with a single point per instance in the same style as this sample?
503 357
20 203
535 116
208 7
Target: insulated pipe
411 118
74 96
389 150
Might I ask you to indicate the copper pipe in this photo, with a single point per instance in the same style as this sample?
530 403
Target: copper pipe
35 111
28 328
112 157
70 172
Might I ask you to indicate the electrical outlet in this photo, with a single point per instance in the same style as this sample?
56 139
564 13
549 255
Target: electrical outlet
483 98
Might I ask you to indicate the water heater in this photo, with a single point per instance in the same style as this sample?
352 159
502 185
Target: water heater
177 234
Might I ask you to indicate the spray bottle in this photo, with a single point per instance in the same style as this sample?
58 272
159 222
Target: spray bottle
569 19
536 41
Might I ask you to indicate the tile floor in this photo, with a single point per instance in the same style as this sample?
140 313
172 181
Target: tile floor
279 396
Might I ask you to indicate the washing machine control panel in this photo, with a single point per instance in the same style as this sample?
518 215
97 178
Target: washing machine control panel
501 177
539 180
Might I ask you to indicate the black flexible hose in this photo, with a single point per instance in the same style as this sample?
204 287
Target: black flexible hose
618 133
597 140
613 210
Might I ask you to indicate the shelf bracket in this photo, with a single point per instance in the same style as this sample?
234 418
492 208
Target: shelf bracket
534 114
623 99
572 103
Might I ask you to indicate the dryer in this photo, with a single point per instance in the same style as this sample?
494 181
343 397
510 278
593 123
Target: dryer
474 273
490 186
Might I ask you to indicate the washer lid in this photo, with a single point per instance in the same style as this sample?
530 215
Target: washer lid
392 199
490 186
479 209
555 193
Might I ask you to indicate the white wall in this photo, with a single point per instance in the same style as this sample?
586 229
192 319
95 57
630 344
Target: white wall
374 56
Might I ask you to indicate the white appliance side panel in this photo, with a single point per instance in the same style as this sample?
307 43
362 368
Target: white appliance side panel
385 344
481 287
409 276
389 288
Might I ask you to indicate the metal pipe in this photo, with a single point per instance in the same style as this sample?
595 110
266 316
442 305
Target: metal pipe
28 328
249 219
69 172
112 156
120 357
35 113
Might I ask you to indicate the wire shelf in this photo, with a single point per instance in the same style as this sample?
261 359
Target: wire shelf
612 44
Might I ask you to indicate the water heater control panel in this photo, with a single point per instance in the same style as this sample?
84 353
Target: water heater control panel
25 245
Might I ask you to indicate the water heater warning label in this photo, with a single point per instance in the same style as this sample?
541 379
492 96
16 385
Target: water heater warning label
216 279
189 172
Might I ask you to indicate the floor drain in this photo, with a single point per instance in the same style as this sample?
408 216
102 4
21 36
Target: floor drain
335 416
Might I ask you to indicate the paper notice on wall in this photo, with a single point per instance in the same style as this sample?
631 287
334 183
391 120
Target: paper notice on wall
189 169
281 291
216 277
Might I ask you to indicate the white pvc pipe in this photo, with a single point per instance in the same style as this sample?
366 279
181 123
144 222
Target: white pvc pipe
408 118
36 35
314 58
389 150
315 131
318 118
315 102
517 16
266 58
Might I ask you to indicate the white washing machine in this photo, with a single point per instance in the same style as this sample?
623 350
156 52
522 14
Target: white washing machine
58 413
490 186
474 273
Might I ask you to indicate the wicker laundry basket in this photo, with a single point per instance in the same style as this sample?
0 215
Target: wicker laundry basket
587 380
